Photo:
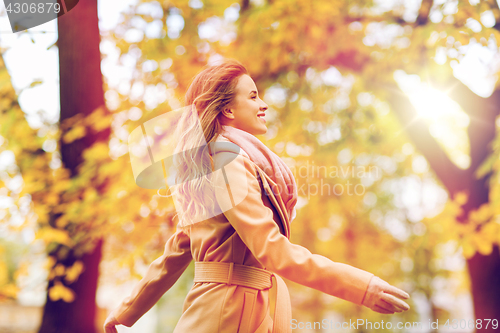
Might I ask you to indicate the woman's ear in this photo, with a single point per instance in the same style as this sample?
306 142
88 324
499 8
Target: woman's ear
227 112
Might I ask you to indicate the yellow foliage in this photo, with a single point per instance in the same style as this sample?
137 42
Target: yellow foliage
61 185
52 275
59 270
42 213
99 151
61 173
54 235
99 119
73 272
52 199
61 208
461 197
483 244
74 133
69 122
90 194
465 228
468 247
62 221
9 291
4 277
490 231
59 291
51 261
481 215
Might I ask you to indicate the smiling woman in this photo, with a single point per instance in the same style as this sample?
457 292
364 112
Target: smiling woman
236 200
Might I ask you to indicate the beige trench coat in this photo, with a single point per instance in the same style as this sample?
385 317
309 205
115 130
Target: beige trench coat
256 233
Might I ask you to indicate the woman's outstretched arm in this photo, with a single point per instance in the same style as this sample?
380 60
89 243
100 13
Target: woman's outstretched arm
160 277
253 221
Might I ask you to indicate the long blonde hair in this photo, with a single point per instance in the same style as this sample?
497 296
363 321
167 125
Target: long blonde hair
211 91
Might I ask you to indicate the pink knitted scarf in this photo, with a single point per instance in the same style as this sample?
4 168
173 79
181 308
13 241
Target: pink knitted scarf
269 162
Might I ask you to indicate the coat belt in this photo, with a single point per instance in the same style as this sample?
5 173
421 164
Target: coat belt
251 277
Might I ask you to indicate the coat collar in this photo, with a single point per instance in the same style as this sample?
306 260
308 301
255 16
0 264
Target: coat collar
275 200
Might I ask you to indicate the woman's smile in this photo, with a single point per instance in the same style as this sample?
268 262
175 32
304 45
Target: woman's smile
261 117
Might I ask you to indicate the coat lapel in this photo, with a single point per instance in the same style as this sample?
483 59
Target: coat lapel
275 200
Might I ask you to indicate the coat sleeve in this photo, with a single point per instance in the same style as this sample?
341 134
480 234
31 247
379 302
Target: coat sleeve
162 273
254 223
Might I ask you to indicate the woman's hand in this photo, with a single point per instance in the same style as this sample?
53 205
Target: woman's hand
110 323
380 297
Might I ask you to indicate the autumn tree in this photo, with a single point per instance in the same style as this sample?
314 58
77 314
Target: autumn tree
81 93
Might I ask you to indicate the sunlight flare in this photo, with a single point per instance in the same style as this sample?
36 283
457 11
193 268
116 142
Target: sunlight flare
446 120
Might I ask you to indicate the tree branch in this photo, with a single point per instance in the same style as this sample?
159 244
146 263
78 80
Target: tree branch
418 131
482 113
423 13
245 4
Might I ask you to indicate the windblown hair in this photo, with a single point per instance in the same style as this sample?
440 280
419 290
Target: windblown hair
211 91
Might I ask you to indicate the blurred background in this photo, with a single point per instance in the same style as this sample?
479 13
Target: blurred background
386 111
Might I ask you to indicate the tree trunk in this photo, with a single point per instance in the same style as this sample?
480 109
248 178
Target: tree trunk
484 271
81 92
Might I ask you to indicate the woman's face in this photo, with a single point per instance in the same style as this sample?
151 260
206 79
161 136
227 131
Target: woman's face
247 112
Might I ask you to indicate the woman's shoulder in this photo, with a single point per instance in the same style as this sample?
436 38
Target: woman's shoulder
226 153
223 144
232 158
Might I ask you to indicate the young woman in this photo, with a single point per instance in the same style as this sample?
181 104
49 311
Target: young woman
235 202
